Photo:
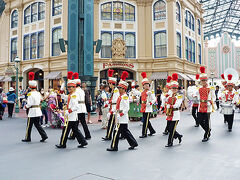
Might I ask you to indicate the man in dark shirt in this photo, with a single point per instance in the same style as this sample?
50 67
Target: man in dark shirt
216 93
158 95
88 101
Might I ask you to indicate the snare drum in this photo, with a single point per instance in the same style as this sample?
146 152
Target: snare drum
227 109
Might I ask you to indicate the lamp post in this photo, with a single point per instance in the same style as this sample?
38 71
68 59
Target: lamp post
16 65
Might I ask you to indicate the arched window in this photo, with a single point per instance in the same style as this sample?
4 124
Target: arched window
40 44
193 23
159 10
186 18
57 7
56 35
160 44
33 46
26 46
106 11
14 19
129 12
179 49
13 49
117 35
34 12
131 45
178 12
189 20
199 27
106 51
118 11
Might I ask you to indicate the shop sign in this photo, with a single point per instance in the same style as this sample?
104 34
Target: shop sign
117 64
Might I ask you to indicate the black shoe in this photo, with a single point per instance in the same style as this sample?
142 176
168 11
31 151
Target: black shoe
225 122
197 125
143 136
169 145
26 140
229 130
99 120
111 149
151 134
43 139
87 138
205 140
165 133
83 144
106 139
132 147
180 138
60 146
71 138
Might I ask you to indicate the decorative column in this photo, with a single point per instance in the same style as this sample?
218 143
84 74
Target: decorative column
148 32
47 30
171 31
46 82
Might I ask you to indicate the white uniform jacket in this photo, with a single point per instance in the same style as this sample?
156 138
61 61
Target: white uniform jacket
123 108
33 103
228 97
81 100
115 96
176 105
72 104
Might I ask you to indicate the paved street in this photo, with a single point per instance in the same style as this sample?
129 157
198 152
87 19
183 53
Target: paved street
217 159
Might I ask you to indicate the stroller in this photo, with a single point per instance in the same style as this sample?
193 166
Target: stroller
57 116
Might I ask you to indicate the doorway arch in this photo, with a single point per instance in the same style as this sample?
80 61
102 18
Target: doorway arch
39 77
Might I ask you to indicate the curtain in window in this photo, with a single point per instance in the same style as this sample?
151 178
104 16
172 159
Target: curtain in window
57 34
160 44
130 44
106 51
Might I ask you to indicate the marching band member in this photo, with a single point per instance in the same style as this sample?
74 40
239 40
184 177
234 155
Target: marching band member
121 112
134 95
105 107
164 97
207 98
34 113
112 81
147 100
195 101
71 115
173 102
81 108
230 97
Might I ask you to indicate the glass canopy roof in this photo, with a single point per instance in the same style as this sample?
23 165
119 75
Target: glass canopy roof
221 16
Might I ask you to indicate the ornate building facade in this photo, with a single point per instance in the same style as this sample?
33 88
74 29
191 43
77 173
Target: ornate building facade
156 36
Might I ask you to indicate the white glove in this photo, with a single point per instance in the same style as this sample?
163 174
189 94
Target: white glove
118 116
66 112
108 115
168 106
208 104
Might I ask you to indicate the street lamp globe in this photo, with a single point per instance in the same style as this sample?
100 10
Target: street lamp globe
17 60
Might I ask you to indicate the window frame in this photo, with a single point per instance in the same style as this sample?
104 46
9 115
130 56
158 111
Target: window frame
111 13
34 13
199 27
134 34
39 12
156 32
134 14
24 48
193 51
38 45
180 48
56 7
154 12
186 48
15 51
200 53
178 15
28 16
31 47
14 20
53 29
190 49
111 33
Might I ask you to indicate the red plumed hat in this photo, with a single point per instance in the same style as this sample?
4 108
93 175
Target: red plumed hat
222 76
123 83
70 75
202 69
197 76
229 77
110 72
124 75
31 76
144 75
174 76
75 75
169 78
